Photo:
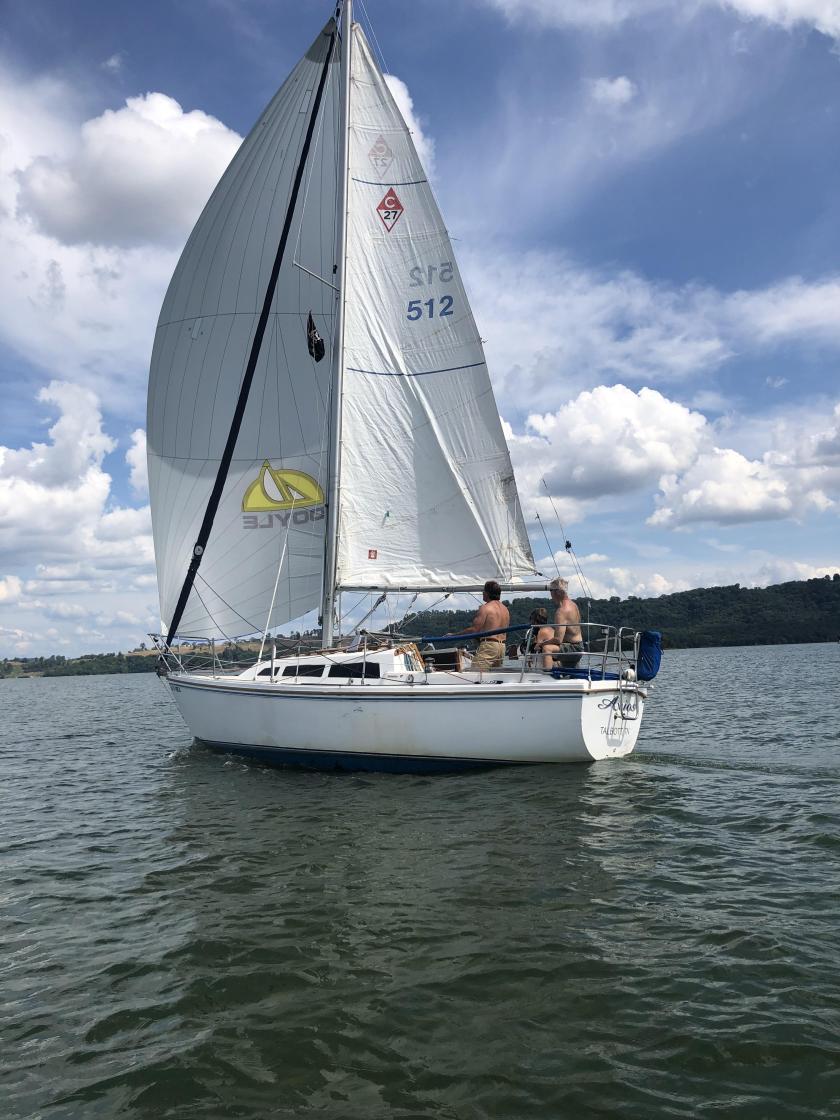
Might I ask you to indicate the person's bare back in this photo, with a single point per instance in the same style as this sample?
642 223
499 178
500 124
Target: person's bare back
566 615
491 616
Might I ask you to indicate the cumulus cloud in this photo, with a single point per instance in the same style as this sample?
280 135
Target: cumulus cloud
603 578
722 486
18 639
624 581
10 589
749 571
612 442
56 508
424 144
823 15
54 495
91 216
555 331
823 446
612 93
137 463
799 472
76 441
577 13
138 175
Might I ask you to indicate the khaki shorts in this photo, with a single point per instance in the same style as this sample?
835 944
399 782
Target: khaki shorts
489 655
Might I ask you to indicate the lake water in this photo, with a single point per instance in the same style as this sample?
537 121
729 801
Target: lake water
186 936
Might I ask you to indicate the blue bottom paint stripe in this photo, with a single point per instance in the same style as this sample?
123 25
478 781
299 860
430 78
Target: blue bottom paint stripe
371 763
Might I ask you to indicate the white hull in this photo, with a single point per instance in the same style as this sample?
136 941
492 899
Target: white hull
413 725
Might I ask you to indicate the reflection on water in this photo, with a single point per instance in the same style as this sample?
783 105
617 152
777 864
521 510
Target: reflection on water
190 936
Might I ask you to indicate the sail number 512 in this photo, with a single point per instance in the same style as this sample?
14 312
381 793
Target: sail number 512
425 274
419 309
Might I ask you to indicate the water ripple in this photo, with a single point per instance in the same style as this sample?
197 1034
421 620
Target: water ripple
189 936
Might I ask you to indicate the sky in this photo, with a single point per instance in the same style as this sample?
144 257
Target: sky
643 197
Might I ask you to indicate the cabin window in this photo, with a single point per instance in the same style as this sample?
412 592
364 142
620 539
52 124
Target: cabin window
355 669
304 671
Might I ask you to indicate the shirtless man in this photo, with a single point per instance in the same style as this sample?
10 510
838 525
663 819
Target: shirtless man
493 615
566 623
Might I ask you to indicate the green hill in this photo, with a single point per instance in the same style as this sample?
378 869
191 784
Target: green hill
800 611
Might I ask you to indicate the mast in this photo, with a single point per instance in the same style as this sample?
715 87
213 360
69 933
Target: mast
253 357
334 493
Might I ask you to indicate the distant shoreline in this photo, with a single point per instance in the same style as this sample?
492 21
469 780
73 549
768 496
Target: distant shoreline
800 612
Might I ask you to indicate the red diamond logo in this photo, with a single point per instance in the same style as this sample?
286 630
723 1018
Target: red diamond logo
390 209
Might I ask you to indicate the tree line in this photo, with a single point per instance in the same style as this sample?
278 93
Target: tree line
798 611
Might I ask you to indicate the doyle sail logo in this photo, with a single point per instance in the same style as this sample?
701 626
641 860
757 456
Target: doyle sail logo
280 494
390 209
281 489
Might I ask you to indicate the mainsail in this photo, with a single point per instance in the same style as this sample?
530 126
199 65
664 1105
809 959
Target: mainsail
272 503
428 496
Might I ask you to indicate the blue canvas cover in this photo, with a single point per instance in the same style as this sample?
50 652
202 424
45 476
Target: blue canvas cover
650 655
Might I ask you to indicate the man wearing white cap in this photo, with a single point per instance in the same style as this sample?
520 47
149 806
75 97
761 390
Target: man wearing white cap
566 623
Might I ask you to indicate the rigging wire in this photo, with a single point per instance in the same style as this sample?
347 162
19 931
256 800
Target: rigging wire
253 629
227 637
407 613
372 611
277 580
548 545
568 547
376 45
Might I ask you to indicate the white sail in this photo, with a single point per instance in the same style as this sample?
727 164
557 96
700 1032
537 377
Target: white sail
272 506
428 496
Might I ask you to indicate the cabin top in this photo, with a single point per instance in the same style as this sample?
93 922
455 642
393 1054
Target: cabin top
340 665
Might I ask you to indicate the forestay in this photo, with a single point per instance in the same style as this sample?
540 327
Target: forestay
428 496
272 506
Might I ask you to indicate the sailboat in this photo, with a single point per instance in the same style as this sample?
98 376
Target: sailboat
321 421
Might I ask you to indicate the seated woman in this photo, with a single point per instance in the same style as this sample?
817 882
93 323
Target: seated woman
544 640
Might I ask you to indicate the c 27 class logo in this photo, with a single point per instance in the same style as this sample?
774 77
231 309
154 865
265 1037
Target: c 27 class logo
381 156
280 493
390 209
